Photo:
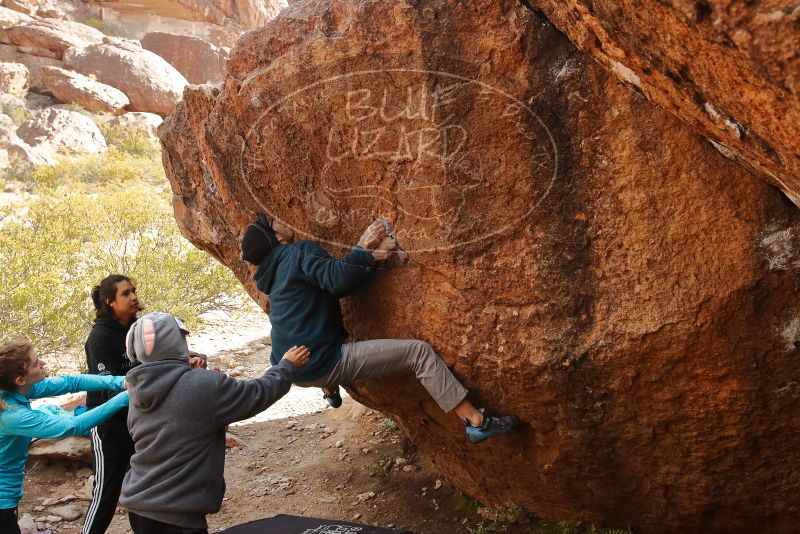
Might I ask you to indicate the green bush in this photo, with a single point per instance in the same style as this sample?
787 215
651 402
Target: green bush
18 170
77 108
77 171
18 113
129 140
97 24
508 513
131 157
575 527
55 248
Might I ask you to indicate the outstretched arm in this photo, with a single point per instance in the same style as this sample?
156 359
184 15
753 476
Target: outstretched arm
240 399
36 424
59 385
338 277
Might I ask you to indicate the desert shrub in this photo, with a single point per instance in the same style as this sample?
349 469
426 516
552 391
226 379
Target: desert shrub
133 141
466 505
17 171
381 466
97 24
112 166
77 108
508 513
18 112
55 248
575 527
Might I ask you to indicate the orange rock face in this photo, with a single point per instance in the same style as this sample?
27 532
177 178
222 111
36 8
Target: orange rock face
728 69
580 257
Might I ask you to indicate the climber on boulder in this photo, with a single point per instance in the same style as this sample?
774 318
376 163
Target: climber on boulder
304 284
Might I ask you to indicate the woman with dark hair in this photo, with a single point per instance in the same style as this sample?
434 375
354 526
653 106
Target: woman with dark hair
22 378
116 306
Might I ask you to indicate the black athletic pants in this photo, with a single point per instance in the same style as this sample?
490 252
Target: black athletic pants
143 525
8 521
112 454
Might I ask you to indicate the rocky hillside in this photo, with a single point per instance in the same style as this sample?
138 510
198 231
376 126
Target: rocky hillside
590 247
61 76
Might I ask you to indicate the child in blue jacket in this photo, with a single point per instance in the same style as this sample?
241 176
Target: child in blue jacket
22 378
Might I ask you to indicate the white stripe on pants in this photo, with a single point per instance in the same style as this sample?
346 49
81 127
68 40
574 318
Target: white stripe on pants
378 357
97 492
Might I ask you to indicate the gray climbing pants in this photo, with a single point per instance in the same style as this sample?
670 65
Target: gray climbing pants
378 357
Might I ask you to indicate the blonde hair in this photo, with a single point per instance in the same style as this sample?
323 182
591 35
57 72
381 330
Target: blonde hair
15 356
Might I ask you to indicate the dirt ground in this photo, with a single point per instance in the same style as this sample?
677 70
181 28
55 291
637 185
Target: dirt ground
300 457
349 464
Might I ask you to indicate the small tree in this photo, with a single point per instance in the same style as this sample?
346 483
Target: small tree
57 247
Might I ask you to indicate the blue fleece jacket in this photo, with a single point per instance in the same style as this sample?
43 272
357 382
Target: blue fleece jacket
19 424
304 285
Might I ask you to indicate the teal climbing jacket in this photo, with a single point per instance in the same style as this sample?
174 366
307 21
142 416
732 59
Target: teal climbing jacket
19 424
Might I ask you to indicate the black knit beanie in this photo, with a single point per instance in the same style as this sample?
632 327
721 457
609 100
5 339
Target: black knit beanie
258 240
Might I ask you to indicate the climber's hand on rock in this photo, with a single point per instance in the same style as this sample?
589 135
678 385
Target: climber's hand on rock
385 250
373 235
388 243
388 226
298 356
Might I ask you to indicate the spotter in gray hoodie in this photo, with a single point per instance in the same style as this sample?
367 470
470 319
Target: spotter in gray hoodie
177 419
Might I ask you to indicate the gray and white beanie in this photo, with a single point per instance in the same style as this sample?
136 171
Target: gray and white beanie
157 336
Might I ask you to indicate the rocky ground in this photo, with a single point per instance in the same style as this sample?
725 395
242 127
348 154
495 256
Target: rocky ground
299 457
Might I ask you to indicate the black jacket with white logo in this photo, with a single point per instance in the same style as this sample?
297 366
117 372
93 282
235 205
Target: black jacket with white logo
105 355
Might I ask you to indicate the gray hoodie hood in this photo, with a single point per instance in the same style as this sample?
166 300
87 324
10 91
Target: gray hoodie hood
157 336
150 383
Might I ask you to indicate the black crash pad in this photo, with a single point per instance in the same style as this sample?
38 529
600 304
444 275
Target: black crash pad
292 524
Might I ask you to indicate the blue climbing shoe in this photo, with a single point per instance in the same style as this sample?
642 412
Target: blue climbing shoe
491 426
334 399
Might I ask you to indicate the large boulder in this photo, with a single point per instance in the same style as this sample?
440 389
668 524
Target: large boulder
731 72
10 18
20 153
581 257
33 63
15 151
25 7
62 131
199 61
256 13
69 86
56 9
243 14
217 21
14 78
150 83
50 37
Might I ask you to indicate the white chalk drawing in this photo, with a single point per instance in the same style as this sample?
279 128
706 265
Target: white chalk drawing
333 529
426 149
